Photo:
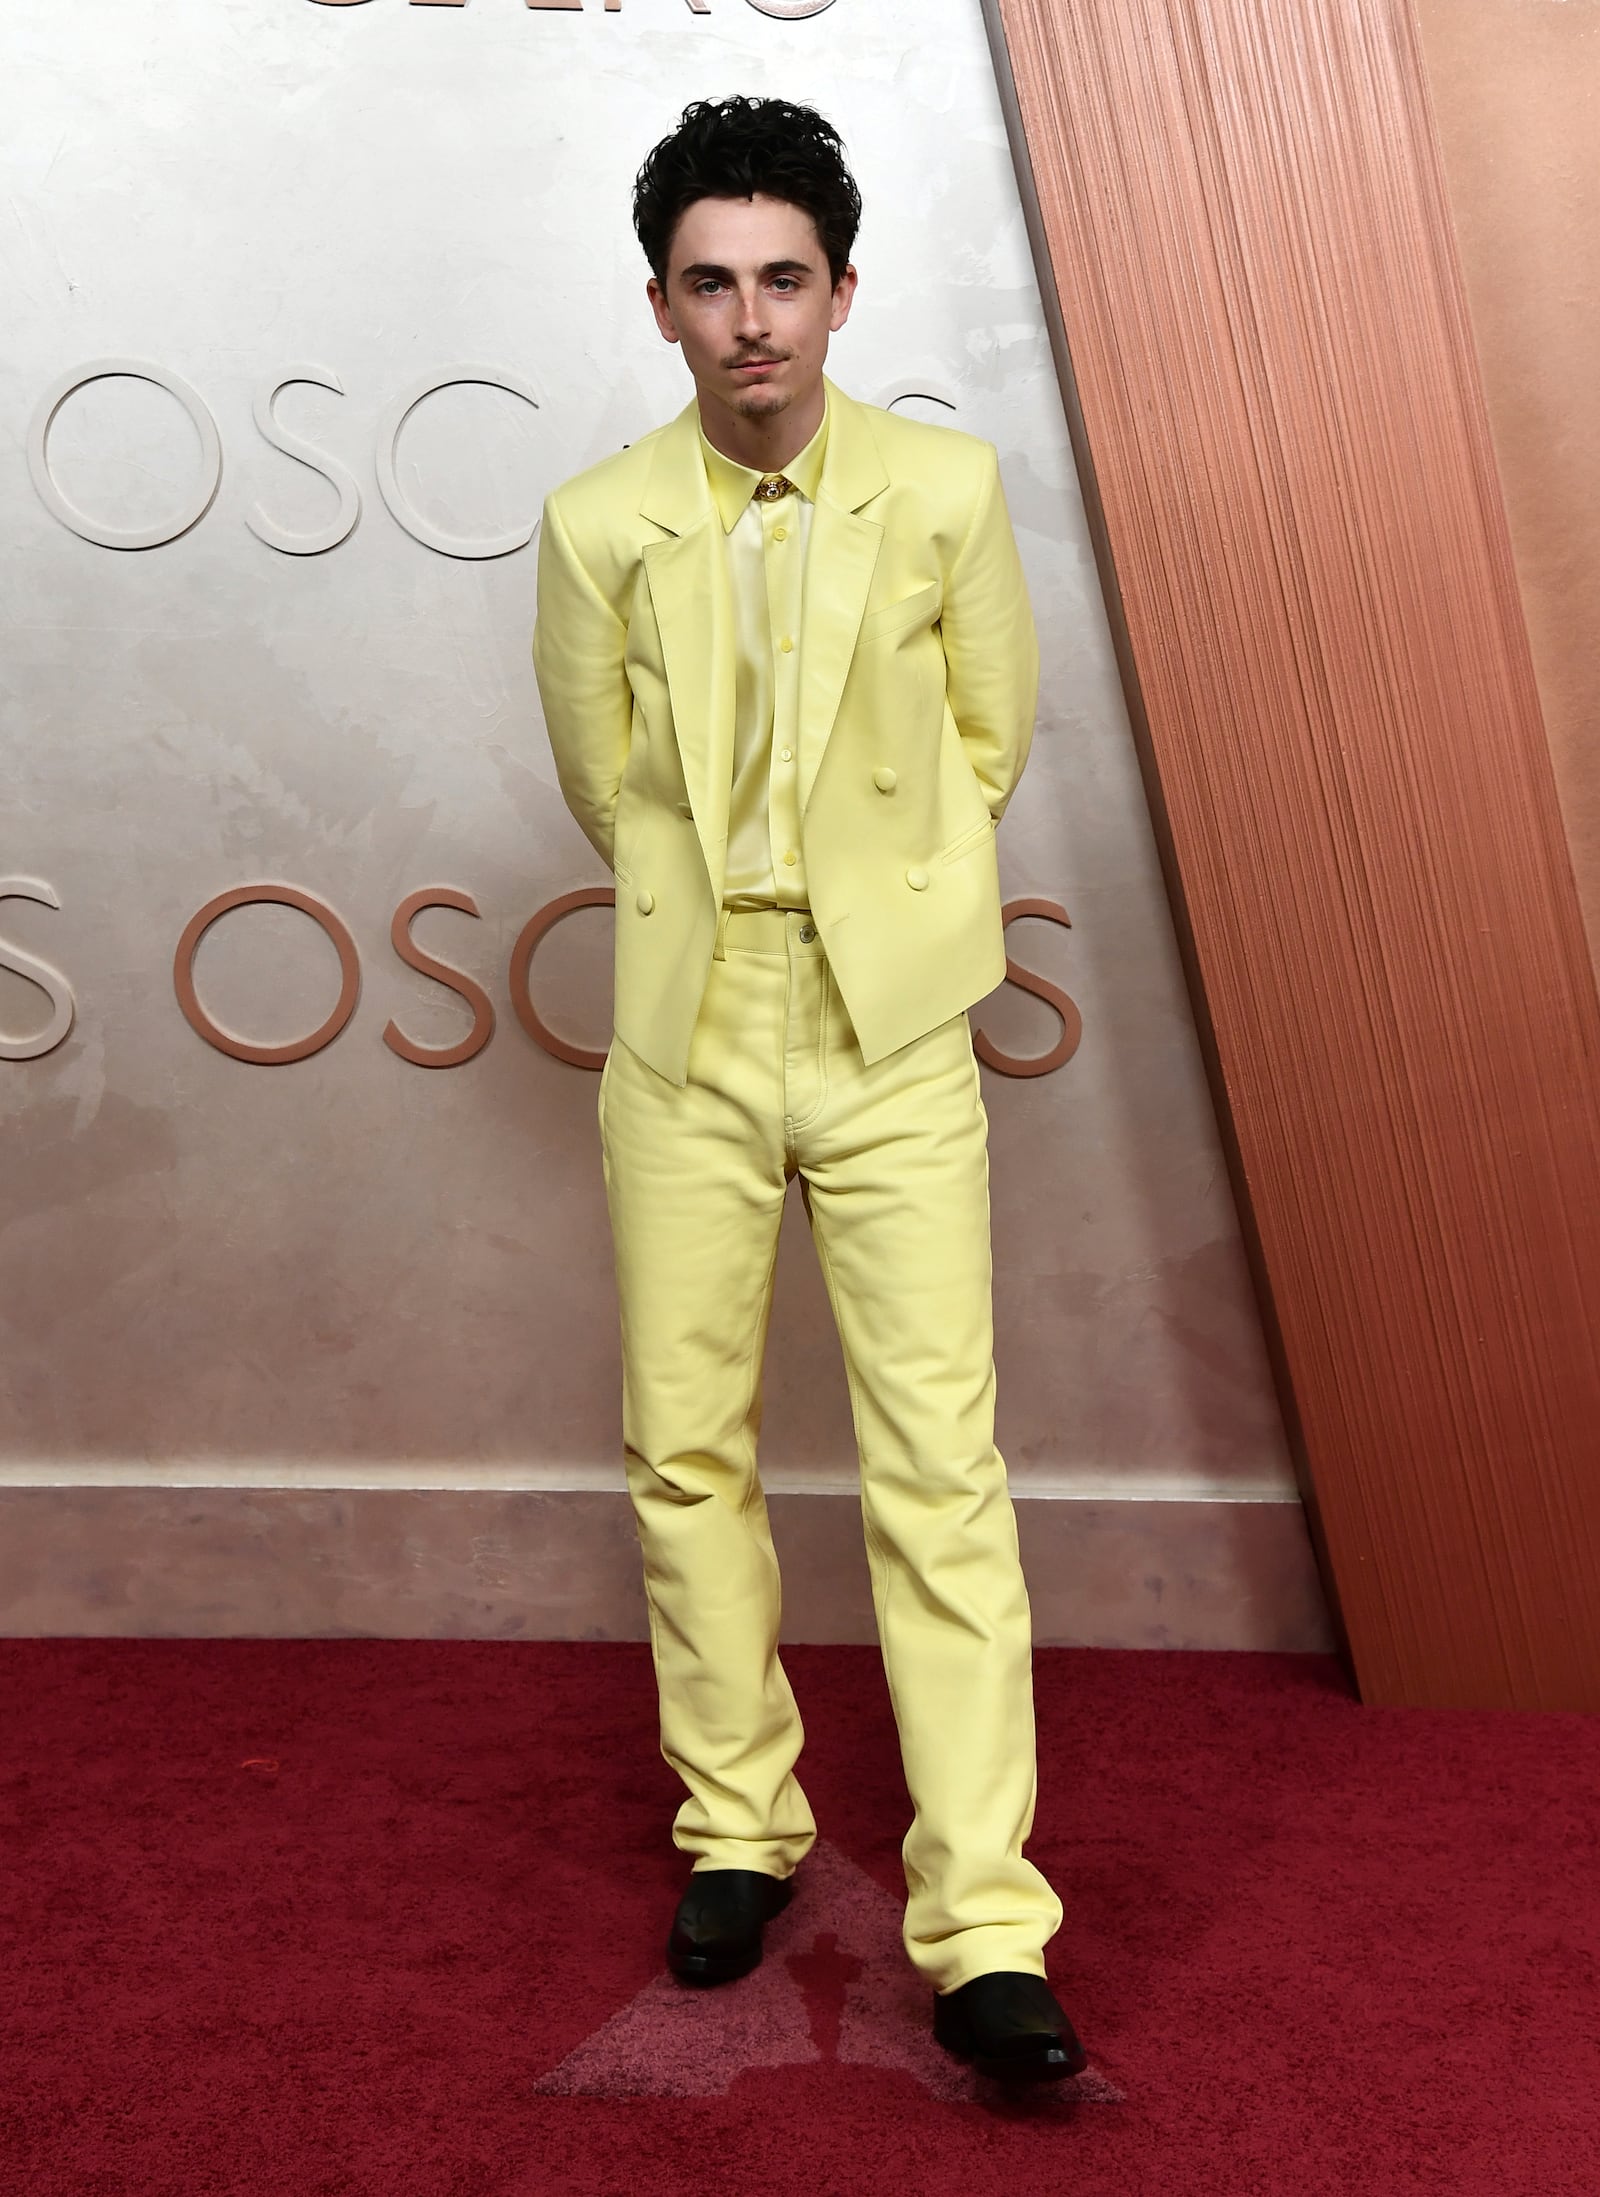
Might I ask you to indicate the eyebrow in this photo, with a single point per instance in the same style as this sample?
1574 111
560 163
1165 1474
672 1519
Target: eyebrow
701 268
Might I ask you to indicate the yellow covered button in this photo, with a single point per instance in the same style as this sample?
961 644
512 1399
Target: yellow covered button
884 779
646 900
917 880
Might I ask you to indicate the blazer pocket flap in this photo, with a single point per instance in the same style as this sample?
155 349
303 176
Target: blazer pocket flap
968 840
910 610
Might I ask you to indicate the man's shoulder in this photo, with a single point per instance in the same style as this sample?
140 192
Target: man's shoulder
612 483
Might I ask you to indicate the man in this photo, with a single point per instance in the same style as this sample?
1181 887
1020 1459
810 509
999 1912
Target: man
789 673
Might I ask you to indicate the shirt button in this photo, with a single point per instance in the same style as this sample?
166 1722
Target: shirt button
791 858
917 880
786 644
645 901
780 533
786 755
884 779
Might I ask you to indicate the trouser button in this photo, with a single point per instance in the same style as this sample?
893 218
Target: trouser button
807 933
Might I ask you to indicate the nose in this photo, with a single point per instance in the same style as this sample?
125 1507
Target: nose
752 313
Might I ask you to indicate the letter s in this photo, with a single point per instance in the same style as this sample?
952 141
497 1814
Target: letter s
1028 980
50 981
273 431
426 964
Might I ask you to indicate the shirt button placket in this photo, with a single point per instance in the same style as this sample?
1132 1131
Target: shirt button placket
784 659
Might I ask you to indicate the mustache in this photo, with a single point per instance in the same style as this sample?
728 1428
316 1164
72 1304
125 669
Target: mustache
762 358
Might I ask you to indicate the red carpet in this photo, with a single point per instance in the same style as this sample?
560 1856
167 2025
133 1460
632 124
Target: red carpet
308 1918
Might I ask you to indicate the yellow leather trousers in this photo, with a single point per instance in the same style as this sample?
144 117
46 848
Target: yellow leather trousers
893 1162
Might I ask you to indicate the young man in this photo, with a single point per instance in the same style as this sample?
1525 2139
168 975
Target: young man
789 673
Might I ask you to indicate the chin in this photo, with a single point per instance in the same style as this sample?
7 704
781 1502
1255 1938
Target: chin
762 403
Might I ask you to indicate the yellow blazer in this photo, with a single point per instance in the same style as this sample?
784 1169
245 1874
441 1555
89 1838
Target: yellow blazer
918 682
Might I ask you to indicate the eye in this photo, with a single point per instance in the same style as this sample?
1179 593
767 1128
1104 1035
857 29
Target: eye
784 282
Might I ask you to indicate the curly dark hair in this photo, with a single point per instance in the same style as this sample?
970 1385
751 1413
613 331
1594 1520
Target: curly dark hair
735 147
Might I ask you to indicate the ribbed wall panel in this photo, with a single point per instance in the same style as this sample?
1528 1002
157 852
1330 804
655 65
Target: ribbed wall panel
1270 368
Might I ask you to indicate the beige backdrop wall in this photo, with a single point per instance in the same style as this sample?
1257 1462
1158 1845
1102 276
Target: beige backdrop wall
331 1346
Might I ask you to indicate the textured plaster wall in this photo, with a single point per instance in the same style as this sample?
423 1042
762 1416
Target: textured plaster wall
353 1267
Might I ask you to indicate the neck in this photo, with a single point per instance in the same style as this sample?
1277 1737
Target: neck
766 443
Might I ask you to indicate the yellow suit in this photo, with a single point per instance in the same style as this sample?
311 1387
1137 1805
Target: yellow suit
832 1044
918 686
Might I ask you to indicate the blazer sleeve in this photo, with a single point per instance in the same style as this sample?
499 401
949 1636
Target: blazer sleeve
578 660
991 647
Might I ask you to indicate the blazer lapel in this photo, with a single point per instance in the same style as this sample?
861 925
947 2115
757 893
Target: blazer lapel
840 561
692 599
691 595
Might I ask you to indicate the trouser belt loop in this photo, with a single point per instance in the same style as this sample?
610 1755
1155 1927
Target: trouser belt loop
719 951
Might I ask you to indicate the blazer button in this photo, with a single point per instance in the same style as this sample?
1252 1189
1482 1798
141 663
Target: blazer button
917 880
884 779
646 901
685 810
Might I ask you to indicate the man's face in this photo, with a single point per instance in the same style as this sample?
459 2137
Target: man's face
749 296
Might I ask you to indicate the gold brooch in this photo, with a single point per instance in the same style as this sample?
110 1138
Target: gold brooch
771 486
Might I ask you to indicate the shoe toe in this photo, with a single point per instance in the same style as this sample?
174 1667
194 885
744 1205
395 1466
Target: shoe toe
1010 2026
716 1932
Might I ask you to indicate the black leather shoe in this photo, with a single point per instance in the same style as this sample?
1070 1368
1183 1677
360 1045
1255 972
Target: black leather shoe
1009 2026
716 1933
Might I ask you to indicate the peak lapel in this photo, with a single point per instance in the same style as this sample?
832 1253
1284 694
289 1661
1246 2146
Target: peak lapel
839 566
692 600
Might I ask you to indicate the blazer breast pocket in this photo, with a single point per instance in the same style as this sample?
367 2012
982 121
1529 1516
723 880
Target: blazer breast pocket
911 610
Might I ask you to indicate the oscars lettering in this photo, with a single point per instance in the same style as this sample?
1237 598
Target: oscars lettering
519 979
266 529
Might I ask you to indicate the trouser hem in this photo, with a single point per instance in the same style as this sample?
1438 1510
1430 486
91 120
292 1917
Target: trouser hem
1019 1963
756 1868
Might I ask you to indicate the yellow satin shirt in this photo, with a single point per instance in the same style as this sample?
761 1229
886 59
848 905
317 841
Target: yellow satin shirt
766 545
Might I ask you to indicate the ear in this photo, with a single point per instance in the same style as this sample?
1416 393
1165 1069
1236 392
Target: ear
662 310
844 291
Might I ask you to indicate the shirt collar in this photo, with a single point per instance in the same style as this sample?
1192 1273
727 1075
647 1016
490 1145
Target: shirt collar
732 485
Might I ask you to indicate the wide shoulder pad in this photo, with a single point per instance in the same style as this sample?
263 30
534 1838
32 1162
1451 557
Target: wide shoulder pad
597 513
611 484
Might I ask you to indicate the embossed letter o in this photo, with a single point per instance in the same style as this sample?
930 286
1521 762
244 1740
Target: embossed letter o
237 1048
123 537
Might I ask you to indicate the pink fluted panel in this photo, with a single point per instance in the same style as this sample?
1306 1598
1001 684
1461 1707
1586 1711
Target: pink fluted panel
1276 400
